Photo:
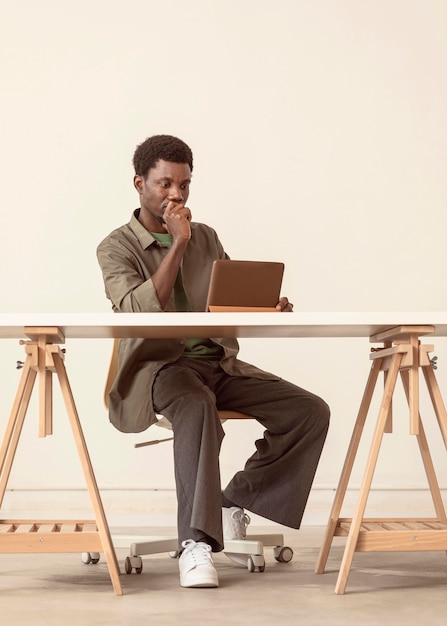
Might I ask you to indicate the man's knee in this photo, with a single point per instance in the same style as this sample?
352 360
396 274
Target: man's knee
321 413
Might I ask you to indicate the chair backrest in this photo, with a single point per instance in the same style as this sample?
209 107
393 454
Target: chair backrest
113 370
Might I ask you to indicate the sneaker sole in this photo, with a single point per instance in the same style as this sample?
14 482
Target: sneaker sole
199 584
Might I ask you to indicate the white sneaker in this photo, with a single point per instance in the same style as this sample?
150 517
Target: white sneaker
196 565
234 523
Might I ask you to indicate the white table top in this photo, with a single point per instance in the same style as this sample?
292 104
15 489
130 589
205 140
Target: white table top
297 324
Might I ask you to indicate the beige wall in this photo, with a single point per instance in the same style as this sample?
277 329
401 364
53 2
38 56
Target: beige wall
320 138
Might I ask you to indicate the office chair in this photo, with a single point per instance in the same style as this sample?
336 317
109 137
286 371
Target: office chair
252 547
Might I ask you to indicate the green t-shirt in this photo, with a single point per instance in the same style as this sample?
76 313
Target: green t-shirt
197 348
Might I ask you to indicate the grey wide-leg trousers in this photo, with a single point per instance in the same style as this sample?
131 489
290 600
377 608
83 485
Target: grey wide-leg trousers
276 480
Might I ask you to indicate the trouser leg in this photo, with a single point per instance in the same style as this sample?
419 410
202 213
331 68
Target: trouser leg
276 480
181 395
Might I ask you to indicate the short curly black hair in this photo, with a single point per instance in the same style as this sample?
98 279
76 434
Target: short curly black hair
165 147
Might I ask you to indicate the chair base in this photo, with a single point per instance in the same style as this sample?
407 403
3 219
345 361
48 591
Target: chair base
252 547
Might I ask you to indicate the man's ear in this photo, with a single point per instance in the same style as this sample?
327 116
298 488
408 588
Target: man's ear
138 183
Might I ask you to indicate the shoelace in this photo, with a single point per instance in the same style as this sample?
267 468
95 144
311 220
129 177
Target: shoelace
198 552
242 520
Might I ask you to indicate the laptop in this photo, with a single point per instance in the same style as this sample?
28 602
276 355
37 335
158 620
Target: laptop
244 285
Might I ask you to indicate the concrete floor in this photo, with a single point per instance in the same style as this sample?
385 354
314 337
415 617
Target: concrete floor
383 588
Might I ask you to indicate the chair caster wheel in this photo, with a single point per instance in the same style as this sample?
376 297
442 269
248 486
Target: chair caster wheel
283 554
256 563
133 563
90 557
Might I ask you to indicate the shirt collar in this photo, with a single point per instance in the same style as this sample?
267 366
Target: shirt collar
143 235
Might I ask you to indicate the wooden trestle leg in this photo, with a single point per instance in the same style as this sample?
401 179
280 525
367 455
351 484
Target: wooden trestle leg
43 359
401 353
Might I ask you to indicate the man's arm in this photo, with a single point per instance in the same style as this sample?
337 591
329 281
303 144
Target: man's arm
128 285
176 221
139 280
129 270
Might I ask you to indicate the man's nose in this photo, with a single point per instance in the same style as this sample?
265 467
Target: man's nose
176 194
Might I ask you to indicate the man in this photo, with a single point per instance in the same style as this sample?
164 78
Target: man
161 261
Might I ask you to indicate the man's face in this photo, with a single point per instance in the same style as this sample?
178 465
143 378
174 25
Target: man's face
166 182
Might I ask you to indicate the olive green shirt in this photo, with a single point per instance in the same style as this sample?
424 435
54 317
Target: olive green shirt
128 257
